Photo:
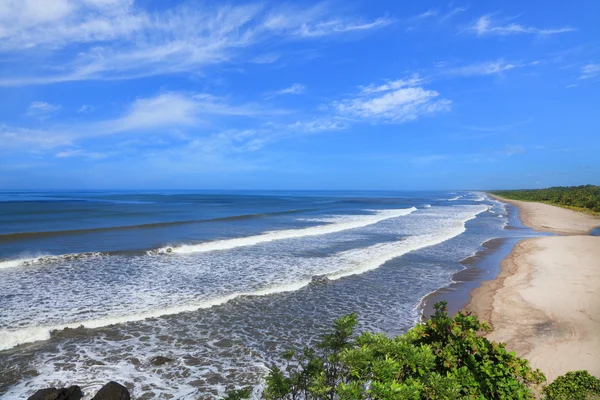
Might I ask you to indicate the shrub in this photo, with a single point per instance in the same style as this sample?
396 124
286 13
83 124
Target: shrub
577 385
443 358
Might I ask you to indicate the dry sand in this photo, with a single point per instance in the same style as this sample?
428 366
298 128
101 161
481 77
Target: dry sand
546 218
545 303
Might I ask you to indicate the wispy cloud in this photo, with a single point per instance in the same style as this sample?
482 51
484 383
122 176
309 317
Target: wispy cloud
440 16
484 68
452 13
590 71
42 110
296 88
85 108
395 102
498 128
114 39
432 12
485 26
32 140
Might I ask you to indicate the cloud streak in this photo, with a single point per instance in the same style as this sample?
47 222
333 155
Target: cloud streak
121 41
296 88
42 110
485 26
590 71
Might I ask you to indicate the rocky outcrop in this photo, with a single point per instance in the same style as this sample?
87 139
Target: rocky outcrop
112 391
70 393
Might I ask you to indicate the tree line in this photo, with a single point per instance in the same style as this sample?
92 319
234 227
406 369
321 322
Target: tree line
580 198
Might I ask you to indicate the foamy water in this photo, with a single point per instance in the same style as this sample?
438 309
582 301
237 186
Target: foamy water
223 309
170 285
335 224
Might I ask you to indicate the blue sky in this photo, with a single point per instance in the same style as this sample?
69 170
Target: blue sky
299 95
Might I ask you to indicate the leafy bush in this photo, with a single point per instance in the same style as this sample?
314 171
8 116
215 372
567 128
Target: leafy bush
443 358
577 385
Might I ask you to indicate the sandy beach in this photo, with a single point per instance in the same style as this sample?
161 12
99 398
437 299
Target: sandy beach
545 302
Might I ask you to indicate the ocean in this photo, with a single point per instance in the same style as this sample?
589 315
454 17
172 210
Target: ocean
94 284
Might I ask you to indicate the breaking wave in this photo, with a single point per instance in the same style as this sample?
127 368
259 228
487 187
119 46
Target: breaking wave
334 225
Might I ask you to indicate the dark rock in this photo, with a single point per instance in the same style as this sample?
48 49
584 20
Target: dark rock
160 360
70 393
319 279
112 391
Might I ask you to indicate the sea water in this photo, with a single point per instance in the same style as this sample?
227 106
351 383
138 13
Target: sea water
93 284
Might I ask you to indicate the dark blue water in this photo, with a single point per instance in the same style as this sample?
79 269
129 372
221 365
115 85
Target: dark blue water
220 282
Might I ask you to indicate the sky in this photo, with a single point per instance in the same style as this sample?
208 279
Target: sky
383 95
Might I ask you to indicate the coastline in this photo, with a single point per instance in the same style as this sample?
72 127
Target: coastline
482 266
547 218
543 303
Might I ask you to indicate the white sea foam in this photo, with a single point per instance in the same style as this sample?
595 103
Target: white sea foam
375 256
479 198
188 282
455 198
336 224
11 338
47 259
427 206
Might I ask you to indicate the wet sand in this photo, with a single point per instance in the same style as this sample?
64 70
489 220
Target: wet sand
545 302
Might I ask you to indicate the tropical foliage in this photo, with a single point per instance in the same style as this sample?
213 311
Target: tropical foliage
582 198
443 358
577 385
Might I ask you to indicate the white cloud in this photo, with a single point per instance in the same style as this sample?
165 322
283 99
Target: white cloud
81 153
336 27
42 110
397 101
432 12
590 71
172 116
169 109
442 16
485 26
391 85
453 12
296 88
120 40
85 109
485 68
180 110
31 140
268 58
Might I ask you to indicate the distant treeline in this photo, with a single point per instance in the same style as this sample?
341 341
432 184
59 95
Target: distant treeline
581 198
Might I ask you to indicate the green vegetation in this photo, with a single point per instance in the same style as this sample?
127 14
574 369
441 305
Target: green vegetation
578 385
579 198
443 358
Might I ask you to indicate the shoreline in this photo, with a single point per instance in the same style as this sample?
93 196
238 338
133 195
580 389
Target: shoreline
542 303
477 268
564 221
